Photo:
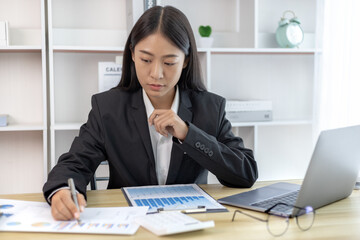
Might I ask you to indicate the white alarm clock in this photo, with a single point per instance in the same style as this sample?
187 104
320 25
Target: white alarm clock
289 34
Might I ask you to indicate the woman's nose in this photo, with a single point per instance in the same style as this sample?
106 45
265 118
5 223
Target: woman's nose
157 71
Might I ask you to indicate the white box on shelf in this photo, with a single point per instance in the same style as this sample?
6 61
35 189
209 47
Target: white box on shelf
3 120
248 111
4 33
251 105
109 75
249 116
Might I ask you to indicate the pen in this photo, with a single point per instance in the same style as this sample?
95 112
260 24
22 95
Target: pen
200 209
73 195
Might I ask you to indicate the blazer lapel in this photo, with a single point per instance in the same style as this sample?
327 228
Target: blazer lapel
139 116
185 113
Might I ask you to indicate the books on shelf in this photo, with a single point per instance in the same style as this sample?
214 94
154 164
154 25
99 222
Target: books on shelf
4 34
109 75
248 111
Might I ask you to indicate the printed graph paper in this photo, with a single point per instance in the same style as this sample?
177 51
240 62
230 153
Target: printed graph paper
171 197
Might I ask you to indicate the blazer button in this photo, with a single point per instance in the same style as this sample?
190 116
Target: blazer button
210 153
197 144
206 150
202 147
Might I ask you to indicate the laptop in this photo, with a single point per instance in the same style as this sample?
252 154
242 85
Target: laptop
330 176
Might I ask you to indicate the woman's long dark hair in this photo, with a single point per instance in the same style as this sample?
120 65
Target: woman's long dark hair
173 24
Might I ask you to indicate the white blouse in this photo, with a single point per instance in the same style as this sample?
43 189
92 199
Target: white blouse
161 145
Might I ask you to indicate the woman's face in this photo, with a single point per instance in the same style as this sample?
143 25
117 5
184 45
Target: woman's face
158 64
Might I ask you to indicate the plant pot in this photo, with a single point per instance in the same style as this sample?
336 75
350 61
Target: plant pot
206 42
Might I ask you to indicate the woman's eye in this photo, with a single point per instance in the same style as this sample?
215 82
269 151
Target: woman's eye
145 60
169 64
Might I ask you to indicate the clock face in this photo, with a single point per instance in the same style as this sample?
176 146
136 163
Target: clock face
294 34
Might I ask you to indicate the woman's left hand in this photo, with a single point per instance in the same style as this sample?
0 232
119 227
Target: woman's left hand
167 121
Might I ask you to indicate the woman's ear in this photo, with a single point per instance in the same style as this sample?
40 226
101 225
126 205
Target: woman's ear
132 52
186 61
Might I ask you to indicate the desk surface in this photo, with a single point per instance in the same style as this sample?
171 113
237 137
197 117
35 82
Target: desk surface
340 220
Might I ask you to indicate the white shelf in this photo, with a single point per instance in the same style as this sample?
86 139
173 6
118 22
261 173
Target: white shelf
260 50
67 126
95 49
20 48
105 49
263 50
76 126
23 127
272 123
64 48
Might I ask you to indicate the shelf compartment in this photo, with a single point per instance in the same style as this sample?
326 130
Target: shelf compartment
283 152
74 71
88 22
285 80
24 37
270 12
89 37
63 141
237 25
24 19
21 86
268 16
247 133
21 155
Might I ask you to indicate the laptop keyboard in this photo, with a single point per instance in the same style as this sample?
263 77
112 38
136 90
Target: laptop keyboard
289 198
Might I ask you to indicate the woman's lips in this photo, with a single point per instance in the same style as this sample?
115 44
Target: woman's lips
156 87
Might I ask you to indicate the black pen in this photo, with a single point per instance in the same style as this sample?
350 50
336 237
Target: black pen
73 195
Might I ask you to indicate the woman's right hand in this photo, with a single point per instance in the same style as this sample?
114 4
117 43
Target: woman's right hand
63 207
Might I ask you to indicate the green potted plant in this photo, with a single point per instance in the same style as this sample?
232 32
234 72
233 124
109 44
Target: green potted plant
205 40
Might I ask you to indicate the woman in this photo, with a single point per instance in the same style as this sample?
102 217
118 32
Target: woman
158 126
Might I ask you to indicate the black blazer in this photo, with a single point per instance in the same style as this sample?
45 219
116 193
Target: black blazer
117 131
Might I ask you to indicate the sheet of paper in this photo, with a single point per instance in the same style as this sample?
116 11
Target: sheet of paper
26 216
109 75
172 197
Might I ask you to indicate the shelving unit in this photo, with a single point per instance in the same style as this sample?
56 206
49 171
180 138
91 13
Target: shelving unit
244 56
81 34
23 97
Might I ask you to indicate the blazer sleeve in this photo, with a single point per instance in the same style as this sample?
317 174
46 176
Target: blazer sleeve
224 154
86 153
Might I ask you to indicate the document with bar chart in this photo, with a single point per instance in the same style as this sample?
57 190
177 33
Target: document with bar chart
26 216
171 197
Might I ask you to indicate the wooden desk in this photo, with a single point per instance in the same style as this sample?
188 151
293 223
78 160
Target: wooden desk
340 220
